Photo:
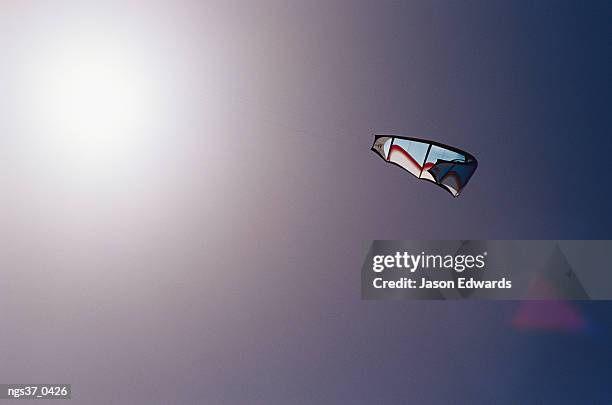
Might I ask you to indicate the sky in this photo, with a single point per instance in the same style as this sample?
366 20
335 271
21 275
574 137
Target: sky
188 194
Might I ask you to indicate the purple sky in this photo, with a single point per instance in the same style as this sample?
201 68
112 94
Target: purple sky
210 251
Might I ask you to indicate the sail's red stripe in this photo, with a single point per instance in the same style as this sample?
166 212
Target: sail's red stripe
409 157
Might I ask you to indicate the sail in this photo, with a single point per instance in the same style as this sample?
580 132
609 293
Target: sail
448 167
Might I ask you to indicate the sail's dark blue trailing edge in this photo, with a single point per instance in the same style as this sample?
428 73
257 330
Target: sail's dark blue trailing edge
448 167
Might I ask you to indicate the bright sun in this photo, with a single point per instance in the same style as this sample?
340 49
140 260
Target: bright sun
94 100
96 94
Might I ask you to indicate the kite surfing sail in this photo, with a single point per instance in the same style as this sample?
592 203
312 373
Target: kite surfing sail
448 167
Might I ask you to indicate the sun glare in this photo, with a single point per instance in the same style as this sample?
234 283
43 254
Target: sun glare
93 100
